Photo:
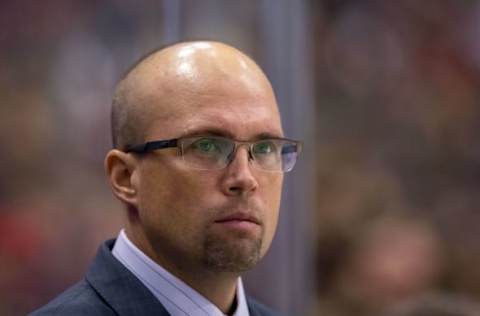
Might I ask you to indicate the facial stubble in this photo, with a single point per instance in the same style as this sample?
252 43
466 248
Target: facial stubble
238 252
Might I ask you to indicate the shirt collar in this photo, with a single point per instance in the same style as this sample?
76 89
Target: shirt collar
176 296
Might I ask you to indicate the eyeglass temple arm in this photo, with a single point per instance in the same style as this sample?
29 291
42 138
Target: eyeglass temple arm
150 146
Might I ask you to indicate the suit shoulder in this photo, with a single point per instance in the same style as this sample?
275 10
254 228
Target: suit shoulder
257 308
80 299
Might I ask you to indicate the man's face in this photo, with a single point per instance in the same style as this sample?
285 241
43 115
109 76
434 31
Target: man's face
191 216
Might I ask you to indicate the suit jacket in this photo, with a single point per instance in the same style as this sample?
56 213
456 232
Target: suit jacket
111 289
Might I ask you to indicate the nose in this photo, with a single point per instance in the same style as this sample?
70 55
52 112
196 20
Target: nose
238 178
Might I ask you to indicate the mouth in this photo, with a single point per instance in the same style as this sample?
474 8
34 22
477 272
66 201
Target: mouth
239 221
239 217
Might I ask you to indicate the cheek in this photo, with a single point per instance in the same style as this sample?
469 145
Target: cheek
272 189
174 198
174 212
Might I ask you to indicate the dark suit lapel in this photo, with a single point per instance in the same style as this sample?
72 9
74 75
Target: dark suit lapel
119 287
257 309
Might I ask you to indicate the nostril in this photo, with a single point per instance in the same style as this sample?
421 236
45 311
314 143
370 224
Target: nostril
235 189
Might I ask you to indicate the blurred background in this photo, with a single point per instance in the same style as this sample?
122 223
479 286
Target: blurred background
381 215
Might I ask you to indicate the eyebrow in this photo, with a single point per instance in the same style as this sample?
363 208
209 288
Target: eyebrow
212 131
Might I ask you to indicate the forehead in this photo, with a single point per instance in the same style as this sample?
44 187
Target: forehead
238 122
239 116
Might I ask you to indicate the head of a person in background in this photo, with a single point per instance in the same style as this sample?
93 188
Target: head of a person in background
198 161
395 259
378 263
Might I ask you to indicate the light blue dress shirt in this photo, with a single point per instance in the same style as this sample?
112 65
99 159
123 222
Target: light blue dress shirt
176 296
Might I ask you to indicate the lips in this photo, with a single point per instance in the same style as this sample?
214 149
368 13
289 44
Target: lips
239 217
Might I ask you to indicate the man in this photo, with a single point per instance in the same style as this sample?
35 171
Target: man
198 163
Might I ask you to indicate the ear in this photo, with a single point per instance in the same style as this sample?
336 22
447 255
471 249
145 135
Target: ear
121 173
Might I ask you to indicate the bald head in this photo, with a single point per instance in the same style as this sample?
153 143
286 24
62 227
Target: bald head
167 82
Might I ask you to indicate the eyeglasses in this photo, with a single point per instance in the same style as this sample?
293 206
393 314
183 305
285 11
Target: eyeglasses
212 152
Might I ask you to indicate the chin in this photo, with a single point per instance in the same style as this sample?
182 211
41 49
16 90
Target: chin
232 256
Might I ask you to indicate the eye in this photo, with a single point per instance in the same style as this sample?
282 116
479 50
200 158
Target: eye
206 145
265 147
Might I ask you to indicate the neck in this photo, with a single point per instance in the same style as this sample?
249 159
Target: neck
218 287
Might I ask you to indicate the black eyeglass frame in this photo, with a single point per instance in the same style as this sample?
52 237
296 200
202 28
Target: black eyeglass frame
151 146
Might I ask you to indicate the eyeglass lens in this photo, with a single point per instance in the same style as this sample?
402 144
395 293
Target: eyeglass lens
216 153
